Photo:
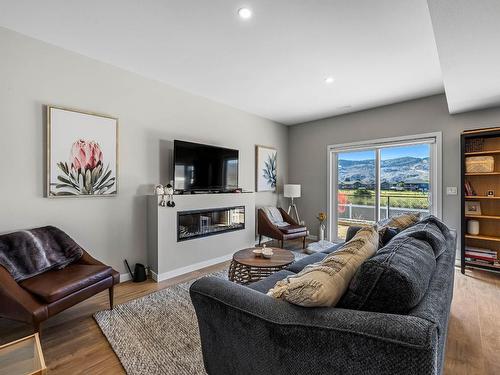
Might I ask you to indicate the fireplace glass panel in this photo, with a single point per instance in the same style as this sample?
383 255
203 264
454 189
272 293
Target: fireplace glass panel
202 223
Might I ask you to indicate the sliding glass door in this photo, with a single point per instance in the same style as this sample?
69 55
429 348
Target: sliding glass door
374 181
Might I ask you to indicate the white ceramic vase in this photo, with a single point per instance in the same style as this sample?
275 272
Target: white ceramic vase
321 233
473 227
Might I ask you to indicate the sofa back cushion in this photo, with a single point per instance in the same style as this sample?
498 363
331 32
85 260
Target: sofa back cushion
323 283
403 221
397 277
385 234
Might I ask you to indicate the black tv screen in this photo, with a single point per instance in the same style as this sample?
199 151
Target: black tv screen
204 167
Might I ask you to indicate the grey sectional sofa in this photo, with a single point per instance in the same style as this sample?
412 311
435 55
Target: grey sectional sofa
244 331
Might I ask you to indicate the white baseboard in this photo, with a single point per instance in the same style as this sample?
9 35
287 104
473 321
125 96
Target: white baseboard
125 277
190 268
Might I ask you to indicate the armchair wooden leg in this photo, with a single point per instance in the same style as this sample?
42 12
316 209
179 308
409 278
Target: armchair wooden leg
111 294
260 239
282 242
304 242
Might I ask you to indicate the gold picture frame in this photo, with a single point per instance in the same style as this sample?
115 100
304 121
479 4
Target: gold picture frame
82 153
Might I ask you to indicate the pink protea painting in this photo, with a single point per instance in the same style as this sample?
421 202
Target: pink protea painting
84 174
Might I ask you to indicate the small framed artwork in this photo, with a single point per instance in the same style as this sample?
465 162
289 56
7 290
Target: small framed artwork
266 161
473 208
82 154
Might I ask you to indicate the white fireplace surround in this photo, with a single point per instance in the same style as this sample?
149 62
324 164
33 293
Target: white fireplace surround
169 258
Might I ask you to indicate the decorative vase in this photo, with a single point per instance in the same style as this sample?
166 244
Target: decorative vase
473 227
321 233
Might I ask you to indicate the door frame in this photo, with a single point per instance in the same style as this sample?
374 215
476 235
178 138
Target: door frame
435 171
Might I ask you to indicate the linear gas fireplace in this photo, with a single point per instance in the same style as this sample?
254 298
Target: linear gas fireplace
202 223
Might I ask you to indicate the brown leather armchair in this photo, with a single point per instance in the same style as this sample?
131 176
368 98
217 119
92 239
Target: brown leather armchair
290 232
36 299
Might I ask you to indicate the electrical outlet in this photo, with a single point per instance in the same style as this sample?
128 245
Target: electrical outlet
451 190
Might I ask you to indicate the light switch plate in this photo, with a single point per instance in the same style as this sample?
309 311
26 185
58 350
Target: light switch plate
451 190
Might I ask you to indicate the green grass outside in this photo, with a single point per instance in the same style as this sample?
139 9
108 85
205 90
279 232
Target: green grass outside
398 199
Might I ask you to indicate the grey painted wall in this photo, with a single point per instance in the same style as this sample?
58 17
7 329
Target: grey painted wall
308 143
150 113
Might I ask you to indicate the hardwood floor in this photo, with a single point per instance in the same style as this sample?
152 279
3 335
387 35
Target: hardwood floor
73 343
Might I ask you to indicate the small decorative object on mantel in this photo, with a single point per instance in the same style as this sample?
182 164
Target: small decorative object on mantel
266 168
490 193
322 225
169 191
167 195
82 154
473 208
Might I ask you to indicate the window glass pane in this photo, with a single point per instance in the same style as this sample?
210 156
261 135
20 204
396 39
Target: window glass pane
356 189
404 179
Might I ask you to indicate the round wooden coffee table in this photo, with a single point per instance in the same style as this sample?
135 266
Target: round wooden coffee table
247 268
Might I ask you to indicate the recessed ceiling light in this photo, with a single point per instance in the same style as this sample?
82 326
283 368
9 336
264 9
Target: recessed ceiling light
245 13
329 80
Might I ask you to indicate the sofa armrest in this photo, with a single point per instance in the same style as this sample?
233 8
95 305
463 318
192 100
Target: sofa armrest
246 332
18 304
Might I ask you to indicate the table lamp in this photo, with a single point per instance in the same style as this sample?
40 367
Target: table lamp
292 191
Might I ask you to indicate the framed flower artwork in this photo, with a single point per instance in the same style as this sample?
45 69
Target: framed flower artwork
82 154
266 162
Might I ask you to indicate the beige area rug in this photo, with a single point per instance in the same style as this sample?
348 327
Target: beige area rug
157 333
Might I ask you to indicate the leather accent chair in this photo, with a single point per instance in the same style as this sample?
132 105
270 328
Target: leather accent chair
282 234
36 299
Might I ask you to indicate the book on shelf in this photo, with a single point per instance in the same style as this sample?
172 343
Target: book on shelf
481 257
468 189
488 262
480 250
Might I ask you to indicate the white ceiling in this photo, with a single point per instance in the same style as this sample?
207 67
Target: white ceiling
468 39
273 65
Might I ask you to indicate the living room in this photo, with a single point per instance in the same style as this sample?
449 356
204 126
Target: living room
172 170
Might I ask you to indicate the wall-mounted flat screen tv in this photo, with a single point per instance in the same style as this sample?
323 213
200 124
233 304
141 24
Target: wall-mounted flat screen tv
199 167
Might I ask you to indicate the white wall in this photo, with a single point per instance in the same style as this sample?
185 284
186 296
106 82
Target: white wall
308 146
151 114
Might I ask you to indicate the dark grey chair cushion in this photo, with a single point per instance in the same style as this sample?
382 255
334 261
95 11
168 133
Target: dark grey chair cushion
396 278
264 285
310 259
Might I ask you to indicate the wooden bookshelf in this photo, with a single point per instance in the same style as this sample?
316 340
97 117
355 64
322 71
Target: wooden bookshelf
473 197
481 153
483 217
483 174
487 144
483 237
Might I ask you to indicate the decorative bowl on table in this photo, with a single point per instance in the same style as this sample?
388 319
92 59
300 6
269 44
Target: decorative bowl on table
257 252
267 253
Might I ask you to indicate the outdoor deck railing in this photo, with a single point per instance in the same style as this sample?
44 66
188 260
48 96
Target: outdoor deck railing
390 205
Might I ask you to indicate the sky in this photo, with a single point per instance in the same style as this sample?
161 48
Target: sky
416 151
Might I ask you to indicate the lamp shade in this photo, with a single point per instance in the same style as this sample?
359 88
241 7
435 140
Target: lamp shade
291 191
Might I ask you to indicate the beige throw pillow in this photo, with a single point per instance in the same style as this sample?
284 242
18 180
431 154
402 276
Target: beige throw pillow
323 283
403 221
